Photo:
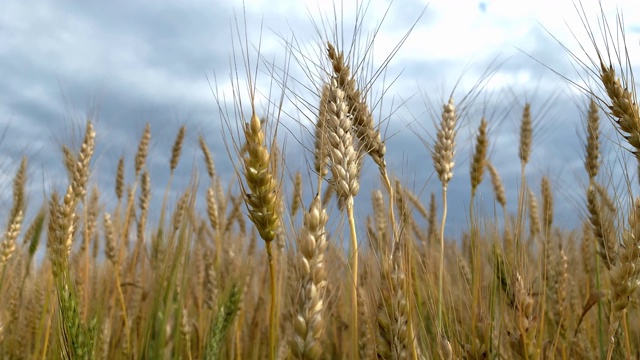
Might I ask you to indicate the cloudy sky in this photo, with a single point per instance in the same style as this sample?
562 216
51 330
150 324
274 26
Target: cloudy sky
125 63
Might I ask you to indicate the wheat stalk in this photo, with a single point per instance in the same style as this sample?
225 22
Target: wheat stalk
443 162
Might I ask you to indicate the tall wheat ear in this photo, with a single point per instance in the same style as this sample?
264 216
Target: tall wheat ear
443 161
75 338
262 198
366 133
309 323
16 216
344 164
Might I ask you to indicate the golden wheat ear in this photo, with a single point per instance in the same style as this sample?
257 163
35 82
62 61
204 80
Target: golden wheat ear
309 323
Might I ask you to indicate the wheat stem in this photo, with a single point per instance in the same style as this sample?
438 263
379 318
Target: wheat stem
272 306
354 282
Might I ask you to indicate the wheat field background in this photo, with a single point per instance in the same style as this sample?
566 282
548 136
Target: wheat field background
340 253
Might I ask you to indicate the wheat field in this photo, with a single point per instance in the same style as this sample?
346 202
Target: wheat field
287 263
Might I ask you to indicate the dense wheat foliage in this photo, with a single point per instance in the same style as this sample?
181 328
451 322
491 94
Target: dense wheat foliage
255 267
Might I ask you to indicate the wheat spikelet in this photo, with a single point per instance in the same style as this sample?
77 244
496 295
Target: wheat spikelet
297 194
177 148
592 148
8 245
210 281
69 160
143 149
61 229
535 226
366 343
393 337
110 249
479 157
525 321
624 105
381 222
321 155
498 187
81 169
602 229
587 254
185 330
365 131
309 322
526 135
143 203
180 211
444 148
16 215
262 197
120 179
208 158
90 223
212 209
34 231
343 155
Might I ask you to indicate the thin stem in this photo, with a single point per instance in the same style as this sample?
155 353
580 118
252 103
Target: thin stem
474 267
441 272
600 310
626 334
354 273
272 309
